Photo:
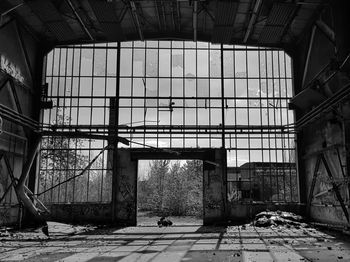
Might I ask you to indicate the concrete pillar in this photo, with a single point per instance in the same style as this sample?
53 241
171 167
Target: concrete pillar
215 188
124 198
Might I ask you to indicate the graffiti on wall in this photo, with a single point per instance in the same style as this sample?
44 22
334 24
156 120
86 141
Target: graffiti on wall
127 205
10 68
5 216
82 212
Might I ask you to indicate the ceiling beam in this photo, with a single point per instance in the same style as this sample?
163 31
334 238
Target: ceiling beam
163 14
52 20
86 30
136 19
252 20
327 31
195 20
178 15
307 60
158 14
11 9
173 16
207 11
122 14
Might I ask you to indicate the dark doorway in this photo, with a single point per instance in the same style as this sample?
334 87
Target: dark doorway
172 189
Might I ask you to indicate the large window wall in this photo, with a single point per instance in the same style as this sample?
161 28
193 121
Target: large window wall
170 94
173 89
81 80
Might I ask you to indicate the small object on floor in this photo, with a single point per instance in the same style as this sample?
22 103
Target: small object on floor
164 222
45 230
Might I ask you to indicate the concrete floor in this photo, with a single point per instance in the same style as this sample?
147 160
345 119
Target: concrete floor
183 243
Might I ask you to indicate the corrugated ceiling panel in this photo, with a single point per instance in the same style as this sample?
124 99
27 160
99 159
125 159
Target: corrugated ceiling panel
113 31
61 30
271 34
105 14
54 22
222 35
104 11
276 21
280 13
225 12
45 10
224 21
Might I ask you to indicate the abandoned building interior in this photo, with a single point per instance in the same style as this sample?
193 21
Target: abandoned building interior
251 94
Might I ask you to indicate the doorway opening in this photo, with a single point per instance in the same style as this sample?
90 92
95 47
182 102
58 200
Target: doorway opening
171 189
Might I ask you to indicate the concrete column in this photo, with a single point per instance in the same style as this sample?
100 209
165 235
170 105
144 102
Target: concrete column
215 188
124 198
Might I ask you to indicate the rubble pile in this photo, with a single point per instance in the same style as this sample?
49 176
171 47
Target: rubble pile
278 218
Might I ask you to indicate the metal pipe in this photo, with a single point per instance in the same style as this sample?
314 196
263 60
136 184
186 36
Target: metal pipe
11 9
308 55
328 32
27 166
13 135
86 135
80 20
338 97
21 188
17 118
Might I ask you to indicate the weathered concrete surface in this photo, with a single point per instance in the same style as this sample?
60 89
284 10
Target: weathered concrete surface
187 243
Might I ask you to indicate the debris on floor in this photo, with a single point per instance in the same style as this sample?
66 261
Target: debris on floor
164 222
277 218
179 243
54 229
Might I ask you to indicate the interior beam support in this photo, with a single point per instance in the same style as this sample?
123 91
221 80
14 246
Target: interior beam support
307 60
86 30
195 20
136 19
326 30
252 20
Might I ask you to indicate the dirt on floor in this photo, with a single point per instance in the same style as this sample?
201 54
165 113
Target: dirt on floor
179 243
273 241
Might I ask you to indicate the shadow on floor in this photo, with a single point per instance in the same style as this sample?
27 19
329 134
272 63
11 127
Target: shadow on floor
186 243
